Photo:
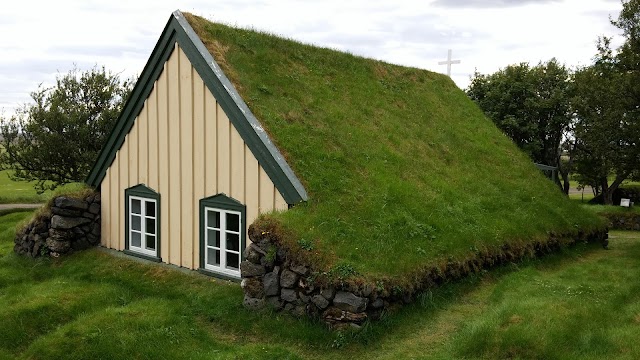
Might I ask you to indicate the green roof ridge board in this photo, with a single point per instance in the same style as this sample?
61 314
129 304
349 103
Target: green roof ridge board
178 30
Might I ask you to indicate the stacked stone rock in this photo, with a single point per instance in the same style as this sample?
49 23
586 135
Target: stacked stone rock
623 221
70 224
269 278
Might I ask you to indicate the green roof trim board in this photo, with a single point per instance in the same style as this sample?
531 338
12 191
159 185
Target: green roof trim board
178 30
393 169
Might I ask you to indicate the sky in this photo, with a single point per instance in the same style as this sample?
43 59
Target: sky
43 39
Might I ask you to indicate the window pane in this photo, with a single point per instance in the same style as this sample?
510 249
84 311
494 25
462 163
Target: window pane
213 219
213 238
151 226
232 260
151 242
135 222
233 242
135 239
135 206
213 257
233 222
150 208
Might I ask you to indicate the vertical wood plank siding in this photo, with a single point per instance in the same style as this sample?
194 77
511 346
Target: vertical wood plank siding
183 146
163 158
105 228
199 180
123 178
174 196
143 146
186 158
152 151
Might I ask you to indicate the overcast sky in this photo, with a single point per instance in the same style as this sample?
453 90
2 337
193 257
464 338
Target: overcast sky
43 38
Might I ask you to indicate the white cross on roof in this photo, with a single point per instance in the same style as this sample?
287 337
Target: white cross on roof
448 62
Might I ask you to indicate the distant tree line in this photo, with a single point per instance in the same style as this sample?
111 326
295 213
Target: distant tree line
591 114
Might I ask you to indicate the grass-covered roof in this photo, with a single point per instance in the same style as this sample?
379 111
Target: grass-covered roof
403 170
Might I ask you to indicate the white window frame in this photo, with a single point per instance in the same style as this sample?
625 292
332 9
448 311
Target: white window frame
143 226
222 267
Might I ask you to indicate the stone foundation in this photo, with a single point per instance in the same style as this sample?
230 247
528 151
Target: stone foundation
269 278
70 224
623 221
272 278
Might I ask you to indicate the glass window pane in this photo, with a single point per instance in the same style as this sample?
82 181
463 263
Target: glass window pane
233 242
150 208
232 261
151 242
135 206
151 226
135 222
213 238
213 219
135 239
213 257
233 222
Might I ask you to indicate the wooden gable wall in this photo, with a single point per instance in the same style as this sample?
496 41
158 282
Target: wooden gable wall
183 146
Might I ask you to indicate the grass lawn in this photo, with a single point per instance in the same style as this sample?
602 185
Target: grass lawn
14 192
581 197
574 183
95 305
583 303
587 194
612 209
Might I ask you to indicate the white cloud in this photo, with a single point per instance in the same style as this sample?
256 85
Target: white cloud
43 38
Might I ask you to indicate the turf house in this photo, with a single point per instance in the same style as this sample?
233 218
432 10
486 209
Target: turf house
314 169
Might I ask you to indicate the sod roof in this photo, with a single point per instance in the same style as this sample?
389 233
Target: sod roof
402 169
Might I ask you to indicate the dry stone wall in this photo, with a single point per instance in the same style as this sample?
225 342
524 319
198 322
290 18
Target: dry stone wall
68 225
623 221
272 278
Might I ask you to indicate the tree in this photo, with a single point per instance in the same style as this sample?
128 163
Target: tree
628 56
599 145
56 139
607 108
530 105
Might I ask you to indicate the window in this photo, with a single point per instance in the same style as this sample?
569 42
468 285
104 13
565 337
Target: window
143 225
142 236
222 235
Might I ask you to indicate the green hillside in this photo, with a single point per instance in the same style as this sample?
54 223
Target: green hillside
403 171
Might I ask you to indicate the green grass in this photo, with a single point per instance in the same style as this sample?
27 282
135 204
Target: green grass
612 209
402 169
12 192
587 194
580 304
95 305
611 178
583 303
585 309
582 197
15 192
